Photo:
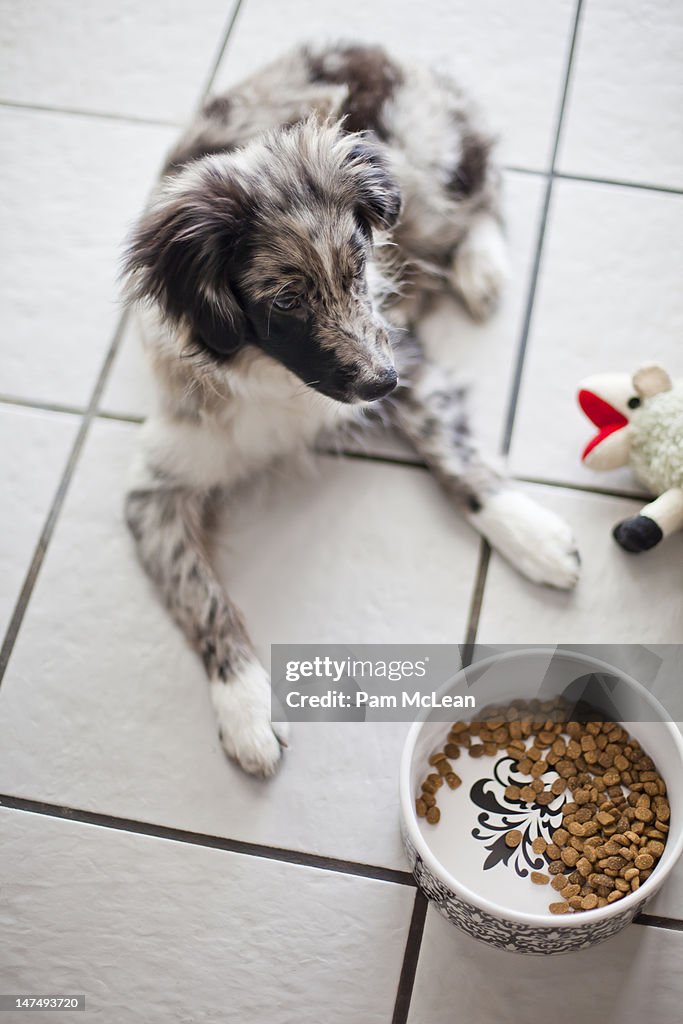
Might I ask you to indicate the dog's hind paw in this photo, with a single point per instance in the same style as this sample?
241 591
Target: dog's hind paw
532 538
480 267
242 706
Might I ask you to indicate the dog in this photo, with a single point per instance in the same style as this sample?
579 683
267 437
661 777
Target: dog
303 224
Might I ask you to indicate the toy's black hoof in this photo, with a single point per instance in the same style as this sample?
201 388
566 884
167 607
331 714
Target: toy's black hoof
639 533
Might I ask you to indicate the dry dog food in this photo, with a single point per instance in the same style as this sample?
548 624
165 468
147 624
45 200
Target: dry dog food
615 821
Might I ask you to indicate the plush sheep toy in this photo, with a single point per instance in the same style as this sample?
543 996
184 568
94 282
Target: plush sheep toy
640 423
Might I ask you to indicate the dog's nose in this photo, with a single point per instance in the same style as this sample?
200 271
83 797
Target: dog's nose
380 387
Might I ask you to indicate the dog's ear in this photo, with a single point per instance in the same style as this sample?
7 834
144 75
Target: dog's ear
376 191
182 251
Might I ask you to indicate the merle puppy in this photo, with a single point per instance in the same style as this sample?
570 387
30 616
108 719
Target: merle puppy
301 226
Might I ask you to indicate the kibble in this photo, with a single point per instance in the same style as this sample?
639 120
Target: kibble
569 856
433 815
615 824
544 798
559 908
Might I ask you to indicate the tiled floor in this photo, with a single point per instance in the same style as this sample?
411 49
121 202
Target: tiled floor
136 864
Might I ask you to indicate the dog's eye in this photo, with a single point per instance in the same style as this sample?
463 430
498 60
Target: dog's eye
633 403
287 302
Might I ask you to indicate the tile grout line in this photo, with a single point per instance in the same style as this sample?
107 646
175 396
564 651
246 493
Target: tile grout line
672 924
347 453
406 981
361 456
114 417
88 416
584 488
262 851
158 122
280 854
476 600
485 558
393 460
517 377
590 179
40 406
640 186
412 951
220 53
98 115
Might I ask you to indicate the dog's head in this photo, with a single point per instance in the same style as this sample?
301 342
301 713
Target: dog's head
268 246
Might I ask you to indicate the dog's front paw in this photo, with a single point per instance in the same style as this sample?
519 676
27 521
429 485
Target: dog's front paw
535 540
480 268
242 706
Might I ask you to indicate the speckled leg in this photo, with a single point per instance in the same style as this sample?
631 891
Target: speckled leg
167 525
432 411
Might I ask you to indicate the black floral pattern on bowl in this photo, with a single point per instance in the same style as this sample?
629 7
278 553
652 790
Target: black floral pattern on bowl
500 815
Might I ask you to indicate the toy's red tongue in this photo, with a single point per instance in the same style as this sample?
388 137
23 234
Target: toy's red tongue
603 415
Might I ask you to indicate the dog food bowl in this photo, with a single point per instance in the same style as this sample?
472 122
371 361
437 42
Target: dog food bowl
463 865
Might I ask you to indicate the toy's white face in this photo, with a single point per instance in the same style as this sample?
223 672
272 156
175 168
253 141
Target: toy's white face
608 400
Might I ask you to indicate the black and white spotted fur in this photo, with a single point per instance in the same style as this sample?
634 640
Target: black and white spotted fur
302 225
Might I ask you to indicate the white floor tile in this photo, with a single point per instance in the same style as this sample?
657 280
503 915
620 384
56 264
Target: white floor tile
35 448
138 60
129 390
511 57
620 598
154 930
70 188
360 553
451 337
627 979
623 117
608 300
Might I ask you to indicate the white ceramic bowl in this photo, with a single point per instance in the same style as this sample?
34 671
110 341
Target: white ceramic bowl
462 864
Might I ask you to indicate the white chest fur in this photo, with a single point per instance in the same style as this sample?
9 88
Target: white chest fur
267 414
